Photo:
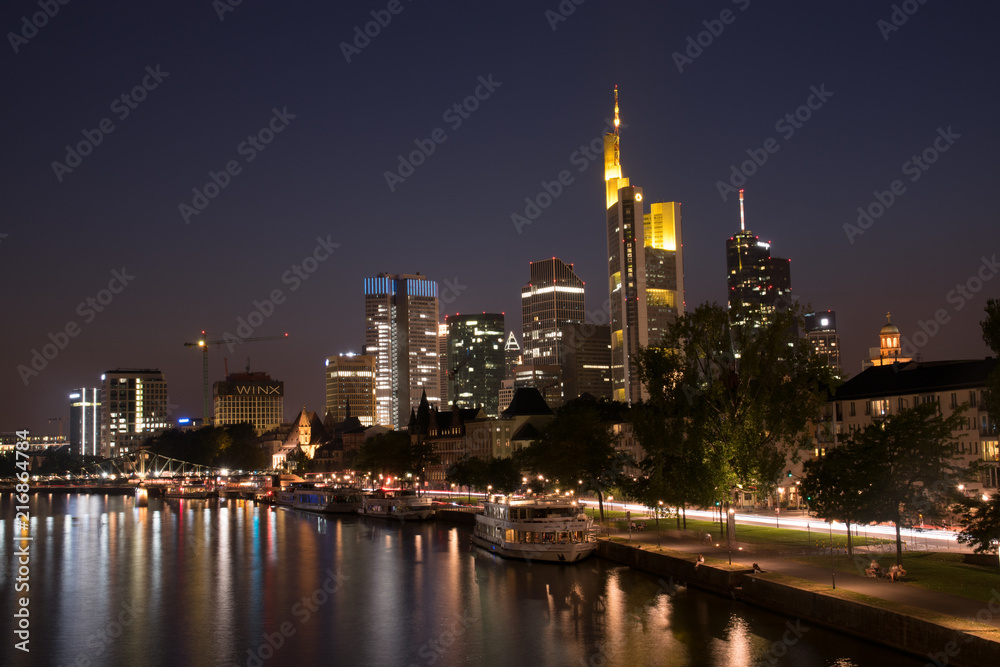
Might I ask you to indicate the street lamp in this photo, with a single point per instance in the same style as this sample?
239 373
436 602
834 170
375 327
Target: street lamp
730 529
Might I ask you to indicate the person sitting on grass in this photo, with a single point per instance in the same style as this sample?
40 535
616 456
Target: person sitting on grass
700 561
896 573
756 568
874 570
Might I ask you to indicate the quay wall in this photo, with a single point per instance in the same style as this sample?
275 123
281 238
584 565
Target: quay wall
958 643
943 640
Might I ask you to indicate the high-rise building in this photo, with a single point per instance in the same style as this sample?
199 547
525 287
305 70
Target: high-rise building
251 398
545 378
661 231
475 366
645 269
350 385
512 357
821 331
586 361
759 284
401 331
85 421
443 377
133 408
553 297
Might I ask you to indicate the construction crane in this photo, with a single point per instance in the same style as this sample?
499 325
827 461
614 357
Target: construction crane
60 420
203 343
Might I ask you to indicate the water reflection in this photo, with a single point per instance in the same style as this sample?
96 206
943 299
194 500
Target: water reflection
232 583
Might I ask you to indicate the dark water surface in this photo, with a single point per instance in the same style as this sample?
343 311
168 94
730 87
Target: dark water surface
211 582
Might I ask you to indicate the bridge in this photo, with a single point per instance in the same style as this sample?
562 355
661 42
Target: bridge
146 466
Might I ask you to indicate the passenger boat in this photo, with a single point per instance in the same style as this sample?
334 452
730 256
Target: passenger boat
402 505
329 500
189 491
543 529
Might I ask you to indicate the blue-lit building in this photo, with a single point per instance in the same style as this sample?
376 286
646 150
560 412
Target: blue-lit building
401 332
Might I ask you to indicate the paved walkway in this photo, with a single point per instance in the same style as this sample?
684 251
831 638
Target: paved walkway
943 603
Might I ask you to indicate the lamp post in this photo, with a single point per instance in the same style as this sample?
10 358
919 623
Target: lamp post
833 569
730 529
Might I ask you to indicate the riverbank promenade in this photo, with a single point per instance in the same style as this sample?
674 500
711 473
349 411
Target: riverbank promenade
775 559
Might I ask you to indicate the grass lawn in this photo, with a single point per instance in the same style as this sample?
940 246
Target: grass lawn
778 537
932 570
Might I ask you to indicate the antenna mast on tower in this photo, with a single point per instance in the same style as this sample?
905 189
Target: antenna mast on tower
743 226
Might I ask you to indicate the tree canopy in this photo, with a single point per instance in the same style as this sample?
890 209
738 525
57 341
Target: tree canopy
394 453
980 523
577 449
735 401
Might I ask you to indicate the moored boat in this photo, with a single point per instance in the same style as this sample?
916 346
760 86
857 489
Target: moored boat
545 529
197 491
328 500
402 505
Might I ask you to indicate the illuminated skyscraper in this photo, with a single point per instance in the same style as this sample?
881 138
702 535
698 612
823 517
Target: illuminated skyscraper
758 283
554 297
85 422
645 269
475 361
401 332
133 408
350 382
821 330
512 357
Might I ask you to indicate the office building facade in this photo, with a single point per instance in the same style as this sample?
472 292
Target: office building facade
251 398
586 361
85 421
401 332
821 331
133 408
553 297
350 387
476 363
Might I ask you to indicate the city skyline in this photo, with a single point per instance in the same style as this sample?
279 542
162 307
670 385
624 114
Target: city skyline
222 191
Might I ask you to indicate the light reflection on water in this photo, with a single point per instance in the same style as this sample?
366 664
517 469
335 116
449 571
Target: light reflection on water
196 582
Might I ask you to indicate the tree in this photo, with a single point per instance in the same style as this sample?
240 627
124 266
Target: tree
980 523
740 396
909 458
241 450
841 485
675 471
394 454
577 450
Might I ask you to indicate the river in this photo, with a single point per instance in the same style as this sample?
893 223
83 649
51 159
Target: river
229 582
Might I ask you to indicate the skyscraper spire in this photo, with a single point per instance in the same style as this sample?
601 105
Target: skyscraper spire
617 121
743 226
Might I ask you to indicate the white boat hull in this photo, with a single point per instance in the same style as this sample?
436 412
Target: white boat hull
550 553
403 509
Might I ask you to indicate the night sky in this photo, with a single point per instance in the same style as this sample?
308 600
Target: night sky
315 178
